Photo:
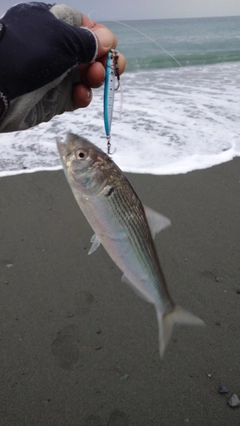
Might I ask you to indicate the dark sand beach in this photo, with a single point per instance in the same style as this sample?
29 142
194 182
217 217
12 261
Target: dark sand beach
78 347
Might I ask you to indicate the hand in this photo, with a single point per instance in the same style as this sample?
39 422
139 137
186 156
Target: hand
92 76
53 66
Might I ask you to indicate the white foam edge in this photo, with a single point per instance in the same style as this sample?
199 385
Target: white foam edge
7 173
185 165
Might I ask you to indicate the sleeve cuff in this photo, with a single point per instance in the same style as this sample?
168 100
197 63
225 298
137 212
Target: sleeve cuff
4 105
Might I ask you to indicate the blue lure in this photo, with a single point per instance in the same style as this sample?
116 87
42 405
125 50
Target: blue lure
112 73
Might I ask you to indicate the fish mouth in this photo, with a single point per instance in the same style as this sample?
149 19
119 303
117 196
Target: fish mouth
62 147
67 145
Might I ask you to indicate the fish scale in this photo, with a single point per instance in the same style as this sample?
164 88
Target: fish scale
140 238
123 226
130 215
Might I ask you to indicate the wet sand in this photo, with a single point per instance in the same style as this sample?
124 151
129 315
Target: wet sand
78 347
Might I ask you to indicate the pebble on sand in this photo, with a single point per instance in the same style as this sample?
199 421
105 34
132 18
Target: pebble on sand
124 377
223 389
234 401
98 347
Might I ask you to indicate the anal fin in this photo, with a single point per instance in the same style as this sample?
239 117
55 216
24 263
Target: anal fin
95 243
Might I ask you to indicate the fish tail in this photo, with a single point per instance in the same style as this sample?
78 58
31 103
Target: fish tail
166 322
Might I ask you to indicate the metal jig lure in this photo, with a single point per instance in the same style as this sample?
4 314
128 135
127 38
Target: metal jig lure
112 73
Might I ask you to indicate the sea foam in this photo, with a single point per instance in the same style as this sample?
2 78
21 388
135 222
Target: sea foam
172 121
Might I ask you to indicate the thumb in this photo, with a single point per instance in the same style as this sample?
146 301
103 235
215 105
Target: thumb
106 40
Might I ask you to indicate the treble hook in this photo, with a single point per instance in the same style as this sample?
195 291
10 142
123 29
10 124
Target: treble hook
109 146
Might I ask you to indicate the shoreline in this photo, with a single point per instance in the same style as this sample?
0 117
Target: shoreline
78 347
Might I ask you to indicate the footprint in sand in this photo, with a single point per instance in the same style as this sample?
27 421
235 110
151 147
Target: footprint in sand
65 347
83 301
93 421
118 418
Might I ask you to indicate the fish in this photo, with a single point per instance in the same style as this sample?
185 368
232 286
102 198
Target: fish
124 226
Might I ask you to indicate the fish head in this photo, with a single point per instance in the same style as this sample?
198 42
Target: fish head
85 165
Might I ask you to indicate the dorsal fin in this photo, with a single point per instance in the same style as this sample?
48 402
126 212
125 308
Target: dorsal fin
156 221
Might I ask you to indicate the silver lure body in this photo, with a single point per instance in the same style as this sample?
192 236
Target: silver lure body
123 226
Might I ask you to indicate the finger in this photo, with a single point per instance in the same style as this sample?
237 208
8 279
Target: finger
121 62
95 75
92 75
106 40
82 96
89 23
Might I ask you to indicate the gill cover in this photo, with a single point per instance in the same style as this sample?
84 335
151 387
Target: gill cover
82 162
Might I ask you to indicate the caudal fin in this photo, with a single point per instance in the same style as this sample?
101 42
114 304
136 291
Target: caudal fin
166 322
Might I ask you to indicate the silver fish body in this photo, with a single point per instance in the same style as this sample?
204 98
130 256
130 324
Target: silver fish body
123 226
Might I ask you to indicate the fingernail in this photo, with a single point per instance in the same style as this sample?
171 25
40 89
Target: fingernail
105 37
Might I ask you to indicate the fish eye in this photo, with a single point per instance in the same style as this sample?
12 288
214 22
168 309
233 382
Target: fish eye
81 154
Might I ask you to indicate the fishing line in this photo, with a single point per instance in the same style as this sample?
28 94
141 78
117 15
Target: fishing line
138 31
106 105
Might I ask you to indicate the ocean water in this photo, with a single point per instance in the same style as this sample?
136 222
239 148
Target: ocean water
177 112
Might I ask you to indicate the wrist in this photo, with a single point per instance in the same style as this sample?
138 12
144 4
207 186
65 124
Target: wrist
4 105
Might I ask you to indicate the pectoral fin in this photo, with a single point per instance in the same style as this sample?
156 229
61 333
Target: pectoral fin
95 243
156 221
